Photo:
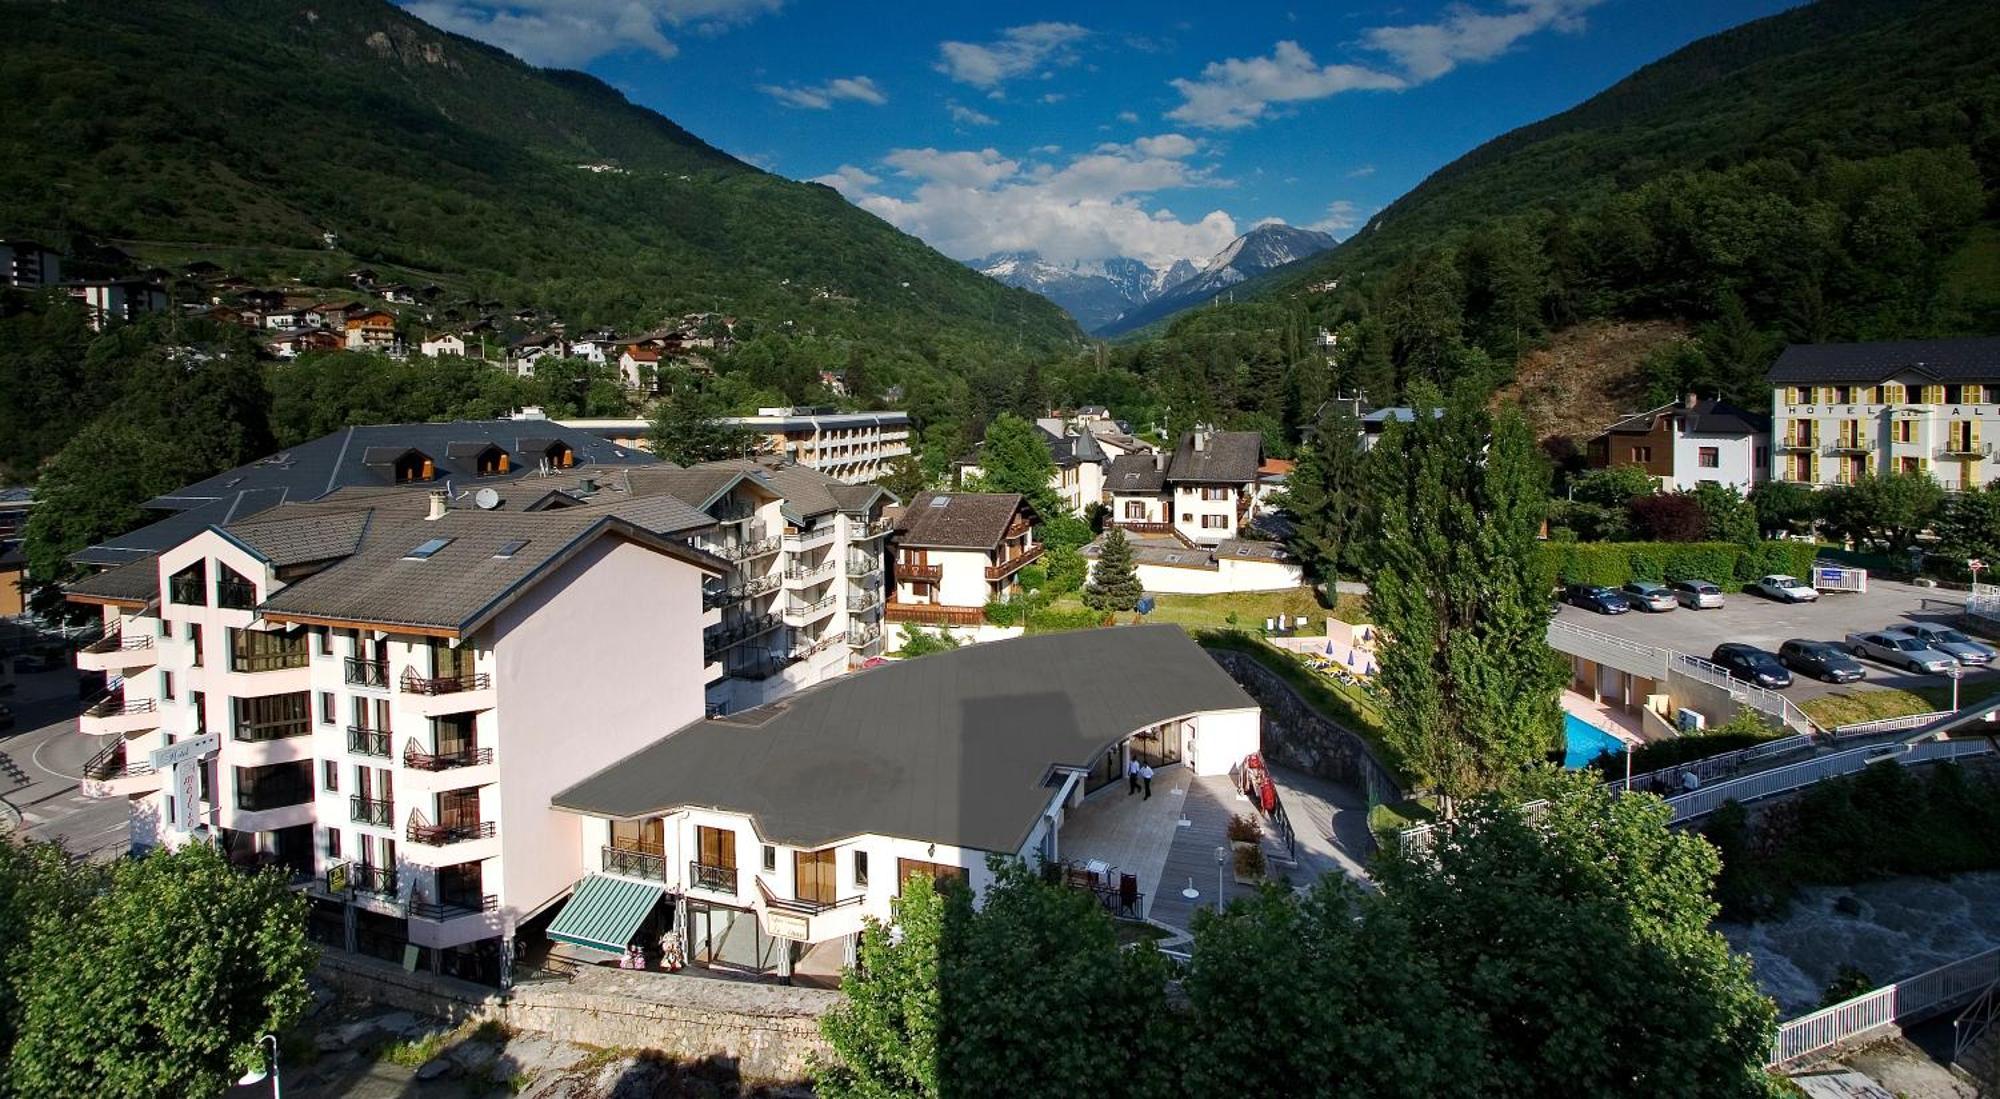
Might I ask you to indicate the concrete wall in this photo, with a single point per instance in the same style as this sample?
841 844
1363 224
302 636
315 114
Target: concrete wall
771 1031
1297 735
1228 575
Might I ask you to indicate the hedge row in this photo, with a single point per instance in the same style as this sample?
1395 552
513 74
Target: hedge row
1726 563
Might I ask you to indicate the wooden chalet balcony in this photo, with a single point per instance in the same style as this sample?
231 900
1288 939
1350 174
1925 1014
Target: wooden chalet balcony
928 573
1141 526
1008 568
934 614
444 684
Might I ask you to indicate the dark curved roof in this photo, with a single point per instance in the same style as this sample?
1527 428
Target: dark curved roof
951 748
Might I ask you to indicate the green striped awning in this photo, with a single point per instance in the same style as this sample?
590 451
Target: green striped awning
604 911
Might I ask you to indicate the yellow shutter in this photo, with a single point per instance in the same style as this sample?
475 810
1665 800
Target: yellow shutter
1813 439
1934 394
1972 434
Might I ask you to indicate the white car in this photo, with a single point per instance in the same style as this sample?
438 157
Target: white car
1785 589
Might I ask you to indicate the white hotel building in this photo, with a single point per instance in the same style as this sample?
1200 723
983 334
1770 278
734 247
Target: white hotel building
1840 411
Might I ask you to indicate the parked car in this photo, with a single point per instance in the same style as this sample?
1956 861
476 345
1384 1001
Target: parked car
1901 650
1752 664
1785 589
1697 594
1947 640
1646 595
6 717
1594 598
1821 660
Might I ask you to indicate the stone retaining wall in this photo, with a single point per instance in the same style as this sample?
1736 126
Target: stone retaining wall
1299 736
770 1031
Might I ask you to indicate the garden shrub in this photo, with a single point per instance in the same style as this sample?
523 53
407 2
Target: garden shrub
1728 563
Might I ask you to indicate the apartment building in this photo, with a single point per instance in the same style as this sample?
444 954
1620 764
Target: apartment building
28 265
1204 492
118 301
371 330
1842 411
1689 443
855 447
1079 459
380 692
765 839
954 552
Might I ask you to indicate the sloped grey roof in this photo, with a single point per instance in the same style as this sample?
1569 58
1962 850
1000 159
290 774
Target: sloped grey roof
290 535
150 540
1134 474
952 748
1228 457
965 520
136 582
1974 359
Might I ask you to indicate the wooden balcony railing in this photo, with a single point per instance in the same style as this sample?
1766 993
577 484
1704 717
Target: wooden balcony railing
934 614
651 865
1140 526
930 573
367 673
1008 568
435 685
720 879
368 742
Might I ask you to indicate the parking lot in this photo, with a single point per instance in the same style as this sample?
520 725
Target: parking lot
1767 624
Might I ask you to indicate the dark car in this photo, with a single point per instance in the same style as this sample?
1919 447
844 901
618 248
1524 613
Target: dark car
1752 665
1594 598
6 717
1821 660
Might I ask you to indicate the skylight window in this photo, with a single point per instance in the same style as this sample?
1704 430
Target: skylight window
427 550
510 549
940 501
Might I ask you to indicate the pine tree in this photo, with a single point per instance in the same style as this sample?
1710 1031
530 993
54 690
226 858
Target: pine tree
687 427
1460 597
1323 493
1115 585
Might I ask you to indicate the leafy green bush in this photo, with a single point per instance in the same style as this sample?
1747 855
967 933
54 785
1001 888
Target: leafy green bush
1051 619
1615 563
1000 612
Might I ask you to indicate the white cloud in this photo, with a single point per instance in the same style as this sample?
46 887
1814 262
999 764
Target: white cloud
820 97
1128 116
1341 218
574 32
966 116
1240 91
971 202
1018 52
1362 172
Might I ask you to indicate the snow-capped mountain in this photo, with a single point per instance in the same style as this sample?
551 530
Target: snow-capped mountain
1250 255
1095 292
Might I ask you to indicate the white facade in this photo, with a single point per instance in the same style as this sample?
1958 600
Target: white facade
1226 575
1733 461
119 301
448 344
1833 434
1207 513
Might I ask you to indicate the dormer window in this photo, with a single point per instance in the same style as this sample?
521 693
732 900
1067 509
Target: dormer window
189 586
493 461
233 590
414 466
560 456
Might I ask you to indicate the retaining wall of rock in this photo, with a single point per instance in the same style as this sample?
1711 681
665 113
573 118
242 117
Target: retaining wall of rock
1297 735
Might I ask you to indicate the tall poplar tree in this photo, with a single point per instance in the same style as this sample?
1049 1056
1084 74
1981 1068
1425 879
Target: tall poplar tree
1323 492
1460 597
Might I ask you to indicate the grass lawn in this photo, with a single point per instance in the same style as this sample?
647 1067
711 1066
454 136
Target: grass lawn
1131 932
1198 612
1852 704
1386 820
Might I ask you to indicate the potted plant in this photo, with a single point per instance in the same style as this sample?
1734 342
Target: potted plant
1249 863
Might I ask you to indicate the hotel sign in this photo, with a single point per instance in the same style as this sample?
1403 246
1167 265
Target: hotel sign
184 758
787 925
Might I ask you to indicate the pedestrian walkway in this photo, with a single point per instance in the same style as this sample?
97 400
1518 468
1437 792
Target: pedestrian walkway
1191 862
1331 823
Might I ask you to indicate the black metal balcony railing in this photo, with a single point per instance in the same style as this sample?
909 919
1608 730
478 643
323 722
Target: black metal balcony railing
257 732
439 835
805 906
376 811
116 641
270 661
635 864
720 879
439 911
367 673
116 704
730 634
444 684
416 758
236 595
359 877
108 763
368 742
187 591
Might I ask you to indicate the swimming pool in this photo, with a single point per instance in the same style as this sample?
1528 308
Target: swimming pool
1583 742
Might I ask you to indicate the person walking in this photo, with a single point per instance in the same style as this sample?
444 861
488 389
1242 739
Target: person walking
1146 776
1131 776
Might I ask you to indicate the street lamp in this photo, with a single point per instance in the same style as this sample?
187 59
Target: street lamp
256 1075
1221 860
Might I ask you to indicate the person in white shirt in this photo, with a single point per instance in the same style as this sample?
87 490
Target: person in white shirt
1146 776
1131 776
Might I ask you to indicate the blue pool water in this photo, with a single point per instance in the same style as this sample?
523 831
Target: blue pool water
1583 742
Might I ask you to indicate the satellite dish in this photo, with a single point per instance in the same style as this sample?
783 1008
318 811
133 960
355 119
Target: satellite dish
487 499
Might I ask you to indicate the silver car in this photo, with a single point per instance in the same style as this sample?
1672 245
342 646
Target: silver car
1697 594
1648 596
1947 640
1901 650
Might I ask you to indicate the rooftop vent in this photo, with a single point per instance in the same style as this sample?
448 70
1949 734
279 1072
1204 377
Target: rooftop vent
427 549
940 501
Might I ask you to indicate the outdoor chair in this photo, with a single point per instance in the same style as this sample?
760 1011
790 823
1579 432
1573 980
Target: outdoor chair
1129 895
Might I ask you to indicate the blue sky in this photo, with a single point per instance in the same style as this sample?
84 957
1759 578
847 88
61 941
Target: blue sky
1084 131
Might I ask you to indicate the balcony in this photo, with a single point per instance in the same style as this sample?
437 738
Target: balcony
235 595
441 835
716 879
731 634
1797 443
873 528
434 686
114 713
859 565
802 906
741 593
269 661
865 602
1963 450
934 614
189 591
926 573
739 552
808 575
115 652
376 811
415 758
799 614
1141 526
647 863
862 637
732 511
259 732
1008 568
1851 446
356 877
367 673
811 536
440 911
368 742
814 646
114 773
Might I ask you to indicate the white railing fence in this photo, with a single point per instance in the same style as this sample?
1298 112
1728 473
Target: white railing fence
1889 724
1782 780
1758 698
1711 768
1906 1001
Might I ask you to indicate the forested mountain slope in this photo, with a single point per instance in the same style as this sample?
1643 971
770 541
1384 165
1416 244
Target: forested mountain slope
243 130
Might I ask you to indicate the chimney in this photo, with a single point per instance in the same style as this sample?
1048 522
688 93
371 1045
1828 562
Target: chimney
1160 460
440 503
1693 399
587 486
1200 439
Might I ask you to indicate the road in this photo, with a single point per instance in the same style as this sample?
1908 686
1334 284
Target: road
41 762
1766 624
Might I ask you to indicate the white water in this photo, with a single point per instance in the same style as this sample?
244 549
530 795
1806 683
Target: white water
1900 928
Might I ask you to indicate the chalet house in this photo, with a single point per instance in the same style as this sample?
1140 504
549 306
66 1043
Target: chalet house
1204 492
447 344
594 349
639 365
201 269
525 352
372 330
400 294
955 552
28 265
298 341
1079 463
1689 443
